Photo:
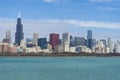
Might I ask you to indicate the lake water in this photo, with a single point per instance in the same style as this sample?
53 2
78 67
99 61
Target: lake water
59 68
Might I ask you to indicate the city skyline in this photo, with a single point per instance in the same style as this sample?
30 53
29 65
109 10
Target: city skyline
68 43
56 16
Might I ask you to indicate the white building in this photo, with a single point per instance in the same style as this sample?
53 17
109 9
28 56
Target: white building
72 49
107 50
118 49
31 50
58 48
49 47
66 38
110 45
46 51
84 49
35 39
22 44
66 47
100 48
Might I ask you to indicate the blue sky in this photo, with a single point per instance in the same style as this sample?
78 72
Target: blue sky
74 16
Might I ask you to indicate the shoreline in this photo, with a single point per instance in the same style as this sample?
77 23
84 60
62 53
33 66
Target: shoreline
58 54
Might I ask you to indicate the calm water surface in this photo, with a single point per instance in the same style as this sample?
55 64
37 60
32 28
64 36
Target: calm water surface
59 68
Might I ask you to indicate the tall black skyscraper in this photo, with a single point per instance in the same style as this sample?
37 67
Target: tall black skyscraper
19 35
89 39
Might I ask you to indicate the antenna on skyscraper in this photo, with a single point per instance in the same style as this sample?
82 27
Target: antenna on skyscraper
19 15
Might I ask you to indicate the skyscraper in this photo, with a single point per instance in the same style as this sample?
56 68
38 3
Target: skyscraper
8 38
66 38
71 41
19 35
42 42
118 47
54 39
94 42
66 42
79 41
8 35
110 45
89 39
35 39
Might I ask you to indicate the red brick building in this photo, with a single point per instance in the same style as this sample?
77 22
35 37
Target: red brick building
54 39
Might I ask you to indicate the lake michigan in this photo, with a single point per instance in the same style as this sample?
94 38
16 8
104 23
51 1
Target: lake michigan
59 68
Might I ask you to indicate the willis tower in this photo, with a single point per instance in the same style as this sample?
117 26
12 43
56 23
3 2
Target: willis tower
19 35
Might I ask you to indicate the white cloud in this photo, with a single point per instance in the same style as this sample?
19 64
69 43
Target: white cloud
93 24
58 22
109 8
102 0
44 27
56 2
77 23
51 1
